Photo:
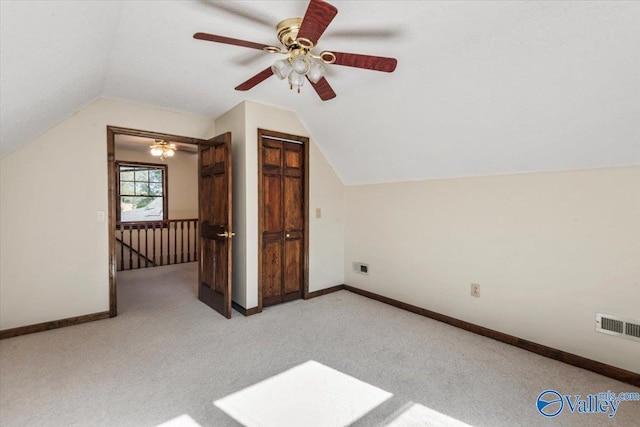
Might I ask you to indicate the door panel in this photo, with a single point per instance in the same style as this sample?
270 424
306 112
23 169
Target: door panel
272 155
219 209
208 266
272 270
293 158
292 204
214 158
293 265
220 274
272 187
207 188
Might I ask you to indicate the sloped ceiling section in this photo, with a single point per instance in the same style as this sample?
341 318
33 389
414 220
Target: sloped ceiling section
481 87
54 58
487 88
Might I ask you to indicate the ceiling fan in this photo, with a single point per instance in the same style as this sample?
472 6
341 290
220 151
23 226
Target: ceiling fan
299 36
163 149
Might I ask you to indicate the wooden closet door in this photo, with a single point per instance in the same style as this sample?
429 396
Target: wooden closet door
293 208
282 220
272 222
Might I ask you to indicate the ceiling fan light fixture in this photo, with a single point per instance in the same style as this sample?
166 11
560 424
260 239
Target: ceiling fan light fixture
162 149
281 68
301 63
316 72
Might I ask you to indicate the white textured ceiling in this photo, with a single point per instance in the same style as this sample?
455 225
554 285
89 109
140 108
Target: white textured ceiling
480 88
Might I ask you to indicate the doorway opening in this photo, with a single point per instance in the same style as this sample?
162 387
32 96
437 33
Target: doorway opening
146 227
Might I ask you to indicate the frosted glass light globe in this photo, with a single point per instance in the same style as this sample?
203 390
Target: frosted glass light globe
281 68
316 72
296 80
301 63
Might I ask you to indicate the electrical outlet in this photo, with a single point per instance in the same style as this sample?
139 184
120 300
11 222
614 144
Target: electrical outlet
475 290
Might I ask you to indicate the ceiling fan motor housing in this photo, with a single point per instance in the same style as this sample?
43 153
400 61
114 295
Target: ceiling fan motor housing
288 31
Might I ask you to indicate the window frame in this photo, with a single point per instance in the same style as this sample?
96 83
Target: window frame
165 188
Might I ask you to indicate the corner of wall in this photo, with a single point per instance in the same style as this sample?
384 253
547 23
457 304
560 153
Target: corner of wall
234 121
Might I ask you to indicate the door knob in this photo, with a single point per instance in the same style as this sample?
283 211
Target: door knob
288 235
226 234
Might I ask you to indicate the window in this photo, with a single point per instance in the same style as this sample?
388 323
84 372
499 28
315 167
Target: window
142 192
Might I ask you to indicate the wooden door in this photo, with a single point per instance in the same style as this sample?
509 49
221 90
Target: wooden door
214 185
283 221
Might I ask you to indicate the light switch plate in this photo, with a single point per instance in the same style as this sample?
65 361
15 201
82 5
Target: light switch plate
318 213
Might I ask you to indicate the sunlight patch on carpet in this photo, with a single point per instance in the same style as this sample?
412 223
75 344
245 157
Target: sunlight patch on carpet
310 394
183 420
416 415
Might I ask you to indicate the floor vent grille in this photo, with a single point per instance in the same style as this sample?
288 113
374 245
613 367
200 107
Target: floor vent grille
618 326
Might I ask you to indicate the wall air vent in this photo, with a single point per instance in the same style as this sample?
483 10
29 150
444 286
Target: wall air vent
361 267
632 329
618 326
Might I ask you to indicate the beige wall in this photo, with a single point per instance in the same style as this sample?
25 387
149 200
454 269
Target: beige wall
233 121
548 249
326 234
326 239
54 261
182 170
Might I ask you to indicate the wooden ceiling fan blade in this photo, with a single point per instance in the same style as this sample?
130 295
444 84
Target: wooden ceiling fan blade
316 19
324 90
228 40
258 78
377 63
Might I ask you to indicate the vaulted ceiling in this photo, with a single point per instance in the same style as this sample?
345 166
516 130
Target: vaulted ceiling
480 88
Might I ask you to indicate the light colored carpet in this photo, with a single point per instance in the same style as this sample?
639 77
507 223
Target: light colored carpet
168 355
